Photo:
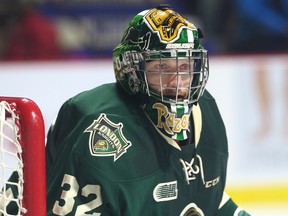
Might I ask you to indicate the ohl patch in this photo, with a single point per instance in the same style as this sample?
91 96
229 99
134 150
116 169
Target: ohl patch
106 138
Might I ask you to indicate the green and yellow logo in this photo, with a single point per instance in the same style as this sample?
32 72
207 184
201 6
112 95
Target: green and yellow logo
171 123
106 138
167 24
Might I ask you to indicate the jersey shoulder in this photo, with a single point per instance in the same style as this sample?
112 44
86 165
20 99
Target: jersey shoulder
213 132
114 136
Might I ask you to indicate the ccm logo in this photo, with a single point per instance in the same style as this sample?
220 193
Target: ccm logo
212 183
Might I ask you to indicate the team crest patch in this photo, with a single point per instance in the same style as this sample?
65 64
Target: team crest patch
106 138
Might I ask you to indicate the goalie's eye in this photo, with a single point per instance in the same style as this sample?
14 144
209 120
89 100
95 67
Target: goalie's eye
159 67
184 67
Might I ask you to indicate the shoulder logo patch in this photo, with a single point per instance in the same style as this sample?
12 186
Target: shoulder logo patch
106 138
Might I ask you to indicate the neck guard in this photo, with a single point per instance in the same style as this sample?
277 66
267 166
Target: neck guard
171 119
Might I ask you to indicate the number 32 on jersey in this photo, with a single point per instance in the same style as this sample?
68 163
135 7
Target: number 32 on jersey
70 191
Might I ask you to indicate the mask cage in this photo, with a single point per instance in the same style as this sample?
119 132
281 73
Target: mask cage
197 71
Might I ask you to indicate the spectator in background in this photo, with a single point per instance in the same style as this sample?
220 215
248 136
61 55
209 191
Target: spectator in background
216 18
261 26
26 33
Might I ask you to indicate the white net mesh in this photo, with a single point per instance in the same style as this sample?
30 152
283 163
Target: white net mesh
10 160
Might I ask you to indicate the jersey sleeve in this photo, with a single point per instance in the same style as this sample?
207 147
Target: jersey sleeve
83 191
74 186
229 208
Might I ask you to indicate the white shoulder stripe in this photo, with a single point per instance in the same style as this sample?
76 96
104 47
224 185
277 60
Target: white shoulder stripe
197 117
225 198
237 212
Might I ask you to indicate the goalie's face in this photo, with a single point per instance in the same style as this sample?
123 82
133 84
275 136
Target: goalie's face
170 78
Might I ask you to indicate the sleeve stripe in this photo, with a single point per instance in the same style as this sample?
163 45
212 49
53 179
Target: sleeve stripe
237 211
224 200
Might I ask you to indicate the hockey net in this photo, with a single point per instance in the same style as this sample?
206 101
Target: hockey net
22 158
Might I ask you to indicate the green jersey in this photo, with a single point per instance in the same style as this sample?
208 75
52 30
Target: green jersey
105 157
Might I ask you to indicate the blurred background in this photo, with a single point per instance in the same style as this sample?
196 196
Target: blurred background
51 50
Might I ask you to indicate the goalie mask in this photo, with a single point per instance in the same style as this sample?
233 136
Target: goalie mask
161 63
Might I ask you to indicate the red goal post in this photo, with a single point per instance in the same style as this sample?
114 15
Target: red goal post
24 119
